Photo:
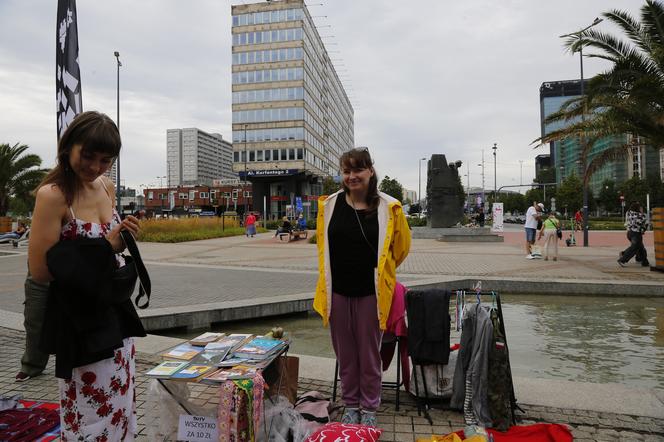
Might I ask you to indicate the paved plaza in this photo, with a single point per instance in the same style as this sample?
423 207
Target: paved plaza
228 270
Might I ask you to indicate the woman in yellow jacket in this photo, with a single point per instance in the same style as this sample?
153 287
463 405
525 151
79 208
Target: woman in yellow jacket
362 237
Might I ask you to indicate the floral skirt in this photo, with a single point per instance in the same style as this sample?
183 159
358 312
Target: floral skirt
98 403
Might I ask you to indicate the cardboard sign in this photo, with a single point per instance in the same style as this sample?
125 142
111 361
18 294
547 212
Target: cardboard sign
197 428
497 217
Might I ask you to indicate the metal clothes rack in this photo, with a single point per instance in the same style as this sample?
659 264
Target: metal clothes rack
423 404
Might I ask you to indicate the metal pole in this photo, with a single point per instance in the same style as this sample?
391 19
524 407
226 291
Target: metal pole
470 202
583 160
483 200
521 172
419 181
245 170
117 161
495 177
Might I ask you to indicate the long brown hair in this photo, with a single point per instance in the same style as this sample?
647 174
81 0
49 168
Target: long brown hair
359 158
95 132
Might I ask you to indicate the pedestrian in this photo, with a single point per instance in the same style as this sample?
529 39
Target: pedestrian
578 220
251 225
636 226
550 232
15 234
301 222
74 206
533 215
362 237
285 227
481 216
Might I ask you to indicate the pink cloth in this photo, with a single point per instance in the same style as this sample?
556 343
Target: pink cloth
396 325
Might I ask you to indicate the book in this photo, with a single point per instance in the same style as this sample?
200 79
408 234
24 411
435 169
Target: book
166 369
206 338
259 348
232 341
211 357
226 374
183 352
192 372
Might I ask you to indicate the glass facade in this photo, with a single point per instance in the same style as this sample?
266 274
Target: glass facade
268 56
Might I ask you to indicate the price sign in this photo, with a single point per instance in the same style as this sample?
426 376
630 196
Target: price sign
197 428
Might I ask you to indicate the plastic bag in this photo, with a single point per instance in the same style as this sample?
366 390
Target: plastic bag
280 421
164 407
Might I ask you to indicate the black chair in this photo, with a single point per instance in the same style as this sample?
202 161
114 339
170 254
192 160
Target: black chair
388 338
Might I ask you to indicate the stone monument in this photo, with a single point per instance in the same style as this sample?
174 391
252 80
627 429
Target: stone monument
444 192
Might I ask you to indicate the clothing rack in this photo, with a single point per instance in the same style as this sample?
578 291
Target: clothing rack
423 404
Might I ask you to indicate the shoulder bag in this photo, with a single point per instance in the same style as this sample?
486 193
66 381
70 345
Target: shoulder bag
124 278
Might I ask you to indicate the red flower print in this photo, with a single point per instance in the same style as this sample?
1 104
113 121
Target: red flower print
69 418
87 227
117 416
87 390
104 410
133 350
118 357
100 397
75 427
88 377
115 384
71 392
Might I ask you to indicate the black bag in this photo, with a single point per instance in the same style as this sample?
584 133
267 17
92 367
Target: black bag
559 232
124 278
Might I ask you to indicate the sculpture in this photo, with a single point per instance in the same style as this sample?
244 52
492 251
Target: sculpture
444 192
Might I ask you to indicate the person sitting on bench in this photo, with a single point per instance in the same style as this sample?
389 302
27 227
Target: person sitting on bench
16 234
301 222
286 227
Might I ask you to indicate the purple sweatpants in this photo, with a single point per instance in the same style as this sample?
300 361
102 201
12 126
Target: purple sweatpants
356 338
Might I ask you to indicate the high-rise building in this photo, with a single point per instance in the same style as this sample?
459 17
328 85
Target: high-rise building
565 154
292 118
197 157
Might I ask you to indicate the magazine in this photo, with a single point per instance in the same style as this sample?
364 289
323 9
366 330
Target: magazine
211 357
232 341
166 369
184 352
206 338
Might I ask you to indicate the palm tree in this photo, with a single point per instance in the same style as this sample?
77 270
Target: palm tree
628 98
19 174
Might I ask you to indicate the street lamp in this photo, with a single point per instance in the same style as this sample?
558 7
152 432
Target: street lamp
246 157
482 166
161 199
579 36
495 187
117 160
419 183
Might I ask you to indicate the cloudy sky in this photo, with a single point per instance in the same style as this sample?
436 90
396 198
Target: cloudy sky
425 76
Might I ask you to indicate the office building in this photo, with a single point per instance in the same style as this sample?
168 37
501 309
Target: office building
196 157
292 118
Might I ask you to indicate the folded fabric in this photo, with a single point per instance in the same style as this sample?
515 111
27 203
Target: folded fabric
338 432
531 433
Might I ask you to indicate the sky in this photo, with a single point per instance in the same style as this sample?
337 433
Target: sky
424 76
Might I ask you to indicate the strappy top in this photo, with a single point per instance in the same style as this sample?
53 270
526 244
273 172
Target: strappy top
78 228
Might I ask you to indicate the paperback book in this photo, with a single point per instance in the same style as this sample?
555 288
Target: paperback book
211 357
259 348
226 374
192 372
232 341
185 352
206 338
166 369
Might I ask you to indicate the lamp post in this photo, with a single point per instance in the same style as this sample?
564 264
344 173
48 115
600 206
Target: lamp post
579 36
419 183
245 170
482 165
495 186
117 122
161 200
520 172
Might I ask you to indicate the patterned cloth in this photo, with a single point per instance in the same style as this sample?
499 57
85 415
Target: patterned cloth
240 409
98 403
636 221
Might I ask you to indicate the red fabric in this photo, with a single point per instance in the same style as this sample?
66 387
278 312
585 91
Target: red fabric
396 324
531 433
338 432
251 219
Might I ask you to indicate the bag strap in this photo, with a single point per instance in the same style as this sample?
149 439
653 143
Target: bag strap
145 286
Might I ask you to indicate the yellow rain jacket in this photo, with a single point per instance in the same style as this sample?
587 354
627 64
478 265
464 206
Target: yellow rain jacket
393 247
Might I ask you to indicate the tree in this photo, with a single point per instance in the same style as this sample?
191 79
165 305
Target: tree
569 196
628 98
609 197
19 176
330 186
634 189
392 187
514 202
656 190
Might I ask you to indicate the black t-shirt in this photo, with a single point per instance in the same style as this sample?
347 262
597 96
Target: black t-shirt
352 260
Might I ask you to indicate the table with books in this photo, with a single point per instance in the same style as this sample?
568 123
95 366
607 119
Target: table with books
233 365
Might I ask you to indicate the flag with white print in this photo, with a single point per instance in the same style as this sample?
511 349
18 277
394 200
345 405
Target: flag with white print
67 73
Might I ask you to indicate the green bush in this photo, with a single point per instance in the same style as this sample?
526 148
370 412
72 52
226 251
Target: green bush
417 222
187 229
313 239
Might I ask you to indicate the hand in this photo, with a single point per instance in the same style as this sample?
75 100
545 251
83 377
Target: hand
131 224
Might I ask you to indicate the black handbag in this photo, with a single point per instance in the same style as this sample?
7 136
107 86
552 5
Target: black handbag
125 277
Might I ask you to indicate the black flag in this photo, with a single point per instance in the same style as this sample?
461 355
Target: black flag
67 73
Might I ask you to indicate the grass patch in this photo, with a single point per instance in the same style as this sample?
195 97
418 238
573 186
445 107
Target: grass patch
188 229
605 225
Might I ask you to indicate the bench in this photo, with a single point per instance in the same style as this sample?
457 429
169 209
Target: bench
293 235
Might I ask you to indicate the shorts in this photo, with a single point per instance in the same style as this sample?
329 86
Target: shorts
530 234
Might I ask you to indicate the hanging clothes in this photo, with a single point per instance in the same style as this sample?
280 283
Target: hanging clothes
396 325
429 326
470 385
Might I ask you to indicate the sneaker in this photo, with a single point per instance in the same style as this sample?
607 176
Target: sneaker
645 263
351 416
22 377
620 263
369 418
529 256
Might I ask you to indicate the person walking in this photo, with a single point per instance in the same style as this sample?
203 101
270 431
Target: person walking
251 225
533 215
362 237
74 206
550 232
636 226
